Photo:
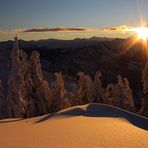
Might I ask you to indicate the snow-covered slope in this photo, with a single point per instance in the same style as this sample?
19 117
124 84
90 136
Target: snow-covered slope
88 126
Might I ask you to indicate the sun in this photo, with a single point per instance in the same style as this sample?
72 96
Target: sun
142 32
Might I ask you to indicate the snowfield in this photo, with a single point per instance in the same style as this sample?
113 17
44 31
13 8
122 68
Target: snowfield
87 126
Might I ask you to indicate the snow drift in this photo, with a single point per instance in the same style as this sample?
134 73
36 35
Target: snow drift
89 126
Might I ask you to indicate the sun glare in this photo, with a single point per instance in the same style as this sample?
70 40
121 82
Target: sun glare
142 32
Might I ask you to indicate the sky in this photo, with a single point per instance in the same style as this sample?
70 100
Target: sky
68 19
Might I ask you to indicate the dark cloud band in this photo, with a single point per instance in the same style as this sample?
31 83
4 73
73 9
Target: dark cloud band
54 29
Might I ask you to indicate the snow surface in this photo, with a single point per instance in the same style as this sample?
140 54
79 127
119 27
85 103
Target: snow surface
87 126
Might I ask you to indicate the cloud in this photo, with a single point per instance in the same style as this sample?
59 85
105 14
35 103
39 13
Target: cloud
60 29
121 28
2 32
12 31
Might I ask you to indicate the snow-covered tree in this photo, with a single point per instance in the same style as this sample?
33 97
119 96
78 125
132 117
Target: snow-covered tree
59 91
39 98
128 95
86 89
120 94
110 94
144 104
2 101
99 93
82 87
15 102
28 92
89 89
